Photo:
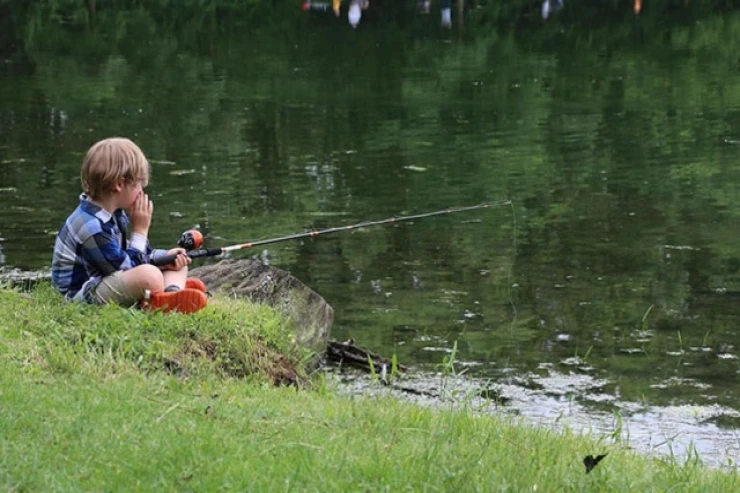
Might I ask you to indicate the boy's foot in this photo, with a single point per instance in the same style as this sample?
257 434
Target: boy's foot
183 301
195 283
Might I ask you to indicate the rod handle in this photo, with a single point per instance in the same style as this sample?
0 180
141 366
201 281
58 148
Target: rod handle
169 259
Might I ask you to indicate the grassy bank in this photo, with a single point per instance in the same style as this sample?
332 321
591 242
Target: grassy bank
113 400
41 332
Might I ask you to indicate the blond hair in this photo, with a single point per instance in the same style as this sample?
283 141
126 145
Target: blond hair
109 160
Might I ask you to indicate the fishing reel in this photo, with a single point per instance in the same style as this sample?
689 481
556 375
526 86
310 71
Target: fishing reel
191 239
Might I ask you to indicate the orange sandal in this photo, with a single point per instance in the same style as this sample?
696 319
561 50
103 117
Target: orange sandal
182 301
195 283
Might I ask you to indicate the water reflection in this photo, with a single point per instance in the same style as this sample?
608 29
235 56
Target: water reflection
446 14
425 7
551 7
355 11
308 5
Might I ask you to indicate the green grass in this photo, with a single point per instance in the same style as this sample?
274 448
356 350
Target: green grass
103 413
227 339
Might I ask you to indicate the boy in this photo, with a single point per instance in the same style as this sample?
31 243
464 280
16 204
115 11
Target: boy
93 260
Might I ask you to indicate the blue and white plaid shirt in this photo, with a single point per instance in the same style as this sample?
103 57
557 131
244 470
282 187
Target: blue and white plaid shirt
91 245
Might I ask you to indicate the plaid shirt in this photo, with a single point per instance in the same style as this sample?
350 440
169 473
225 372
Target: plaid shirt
91 245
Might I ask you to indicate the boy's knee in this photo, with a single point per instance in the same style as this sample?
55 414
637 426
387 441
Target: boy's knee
145 277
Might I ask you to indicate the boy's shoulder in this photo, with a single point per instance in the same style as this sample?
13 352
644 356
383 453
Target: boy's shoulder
87 219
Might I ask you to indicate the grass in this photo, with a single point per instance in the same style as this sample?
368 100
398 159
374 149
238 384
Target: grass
227 339
95 407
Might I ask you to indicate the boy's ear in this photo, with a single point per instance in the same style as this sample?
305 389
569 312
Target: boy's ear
119 185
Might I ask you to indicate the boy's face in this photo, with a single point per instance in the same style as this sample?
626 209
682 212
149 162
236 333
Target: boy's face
131 191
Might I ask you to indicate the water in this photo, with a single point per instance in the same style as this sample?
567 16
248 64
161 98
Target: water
616 142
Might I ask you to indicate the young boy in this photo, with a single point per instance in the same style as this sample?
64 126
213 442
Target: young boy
93 259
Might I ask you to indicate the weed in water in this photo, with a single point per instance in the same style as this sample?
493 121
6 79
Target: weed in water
644 324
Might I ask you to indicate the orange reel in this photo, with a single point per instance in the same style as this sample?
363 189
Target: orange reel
190 240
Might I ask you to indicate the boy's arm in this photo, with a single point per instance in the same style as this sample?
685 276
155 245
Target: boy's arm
140 243
103 252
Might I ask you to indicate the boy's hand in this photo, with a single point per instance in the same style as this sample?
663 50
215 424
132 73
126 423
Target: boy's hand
141 214
181 261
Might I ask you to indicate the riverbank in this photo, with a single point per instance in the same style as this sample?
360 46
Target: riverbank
111 399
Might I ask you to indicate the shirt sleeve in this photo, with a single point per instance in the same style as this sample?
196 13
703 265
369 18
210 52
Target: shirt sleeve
139 242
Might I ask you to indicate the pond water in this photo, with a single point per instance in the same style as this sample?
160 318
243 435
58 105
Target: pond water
610 283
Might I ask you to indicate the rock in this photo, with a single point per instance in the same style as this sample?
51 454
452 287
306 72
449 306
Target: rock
253 280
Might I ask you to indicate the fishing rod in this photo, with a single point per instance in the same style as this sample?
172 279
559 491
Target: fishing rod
193 240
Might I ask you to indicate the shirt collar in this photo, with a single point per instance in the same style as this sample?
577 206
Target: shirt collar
91 208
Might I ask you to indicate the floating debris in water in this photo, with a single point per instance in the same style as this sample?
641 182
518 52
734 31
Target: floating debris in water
440 349
326 214
572 361
416 282
452 292
164 163
427 338
632 350
680 247
176 214
703 349
680 382
375 286
561 384
411 167
642 336
9 189
181 172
